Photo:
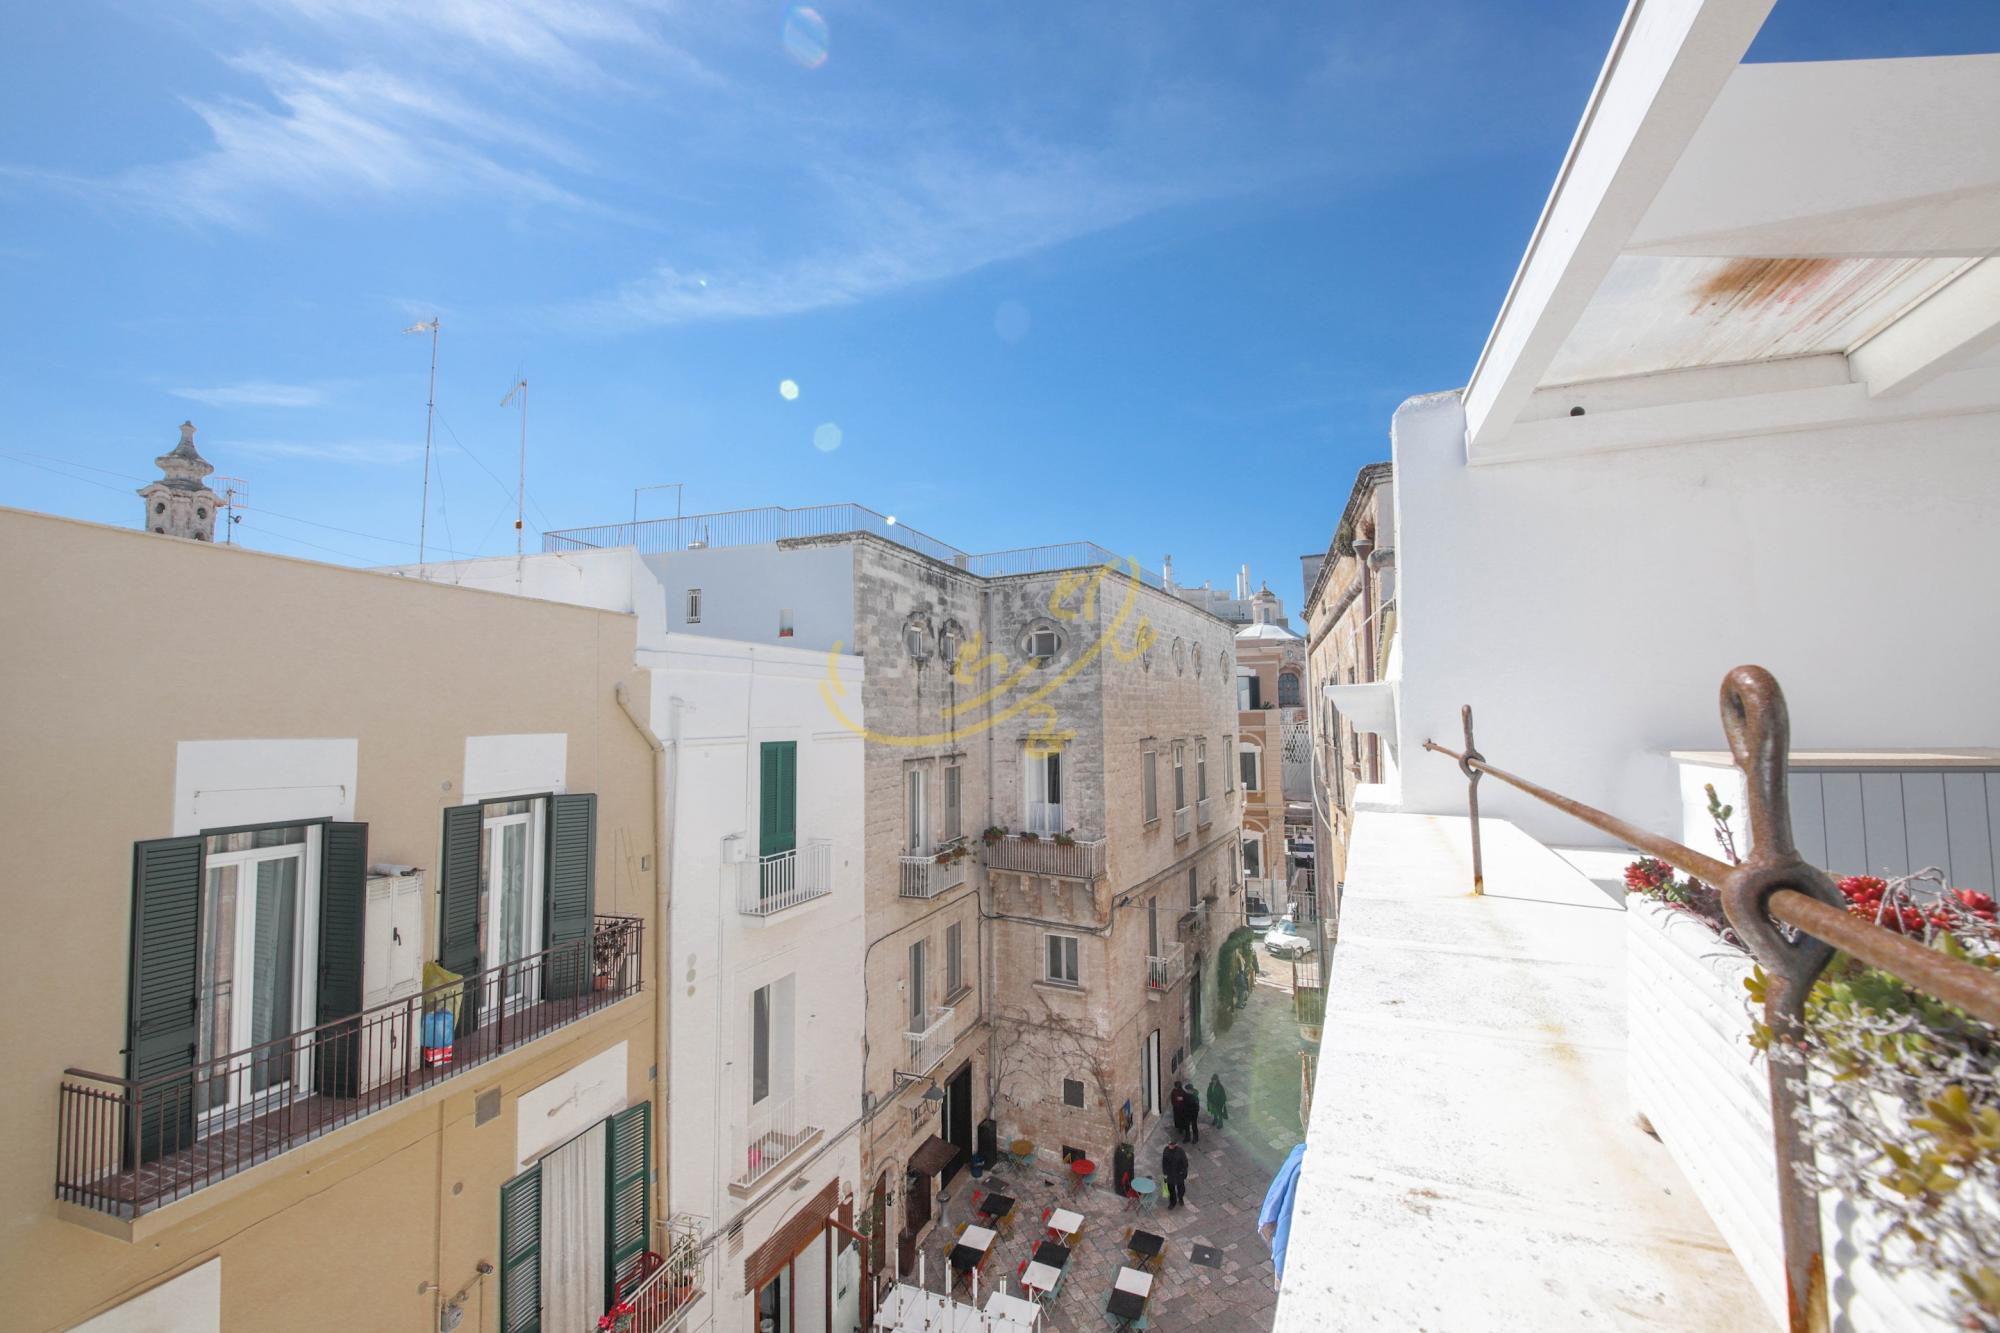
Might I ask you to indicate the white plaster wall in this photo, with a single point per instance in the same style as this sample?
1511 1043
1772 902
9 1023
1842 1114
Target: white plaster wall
743 587
189 1303
519 764
1588 607
552 1113
732 697
224 784
612 580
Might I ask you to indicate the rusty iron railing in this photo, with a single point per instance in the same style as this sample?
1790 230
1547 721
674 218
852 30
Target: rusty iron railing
1792 918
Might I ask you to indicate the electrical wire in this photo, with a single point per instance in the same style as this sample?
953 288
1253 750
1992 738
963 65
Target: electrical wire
70 476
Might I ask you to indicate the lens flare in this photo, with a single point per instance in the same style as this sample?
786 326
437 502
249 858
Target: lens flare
788 390
805 36
827 438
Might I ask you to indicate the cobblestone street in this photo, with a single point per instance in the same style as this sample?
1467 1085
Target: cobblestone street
1229 1170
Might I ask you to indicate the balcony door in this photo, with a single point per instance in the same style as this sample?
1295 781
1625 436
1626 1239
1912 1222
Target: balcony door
777 818
256 987
510 867
1045 793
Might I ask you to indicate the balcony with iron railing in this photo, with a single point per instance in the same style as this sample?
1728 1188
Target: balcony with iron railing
928 1047
1060 856
1165 968
1193 921
1183 821
768 885
663 1289
1204 811
125 1147
928 876
776 1128
1045 818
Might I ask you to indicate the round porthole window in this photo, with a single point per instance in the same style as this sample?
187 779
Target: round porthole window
159 507
1041 642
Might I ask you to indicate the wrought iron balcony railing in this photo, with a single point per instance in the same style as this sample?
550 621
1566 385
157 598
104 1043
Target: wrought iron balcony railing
1071 858
928 1048
776 1128
1164 969
663 1288
929 876
126 1147
1183 821
1204 813
767 885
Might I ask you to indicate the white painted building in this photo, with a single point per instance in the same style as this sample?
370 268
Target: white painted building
1739 405
760 793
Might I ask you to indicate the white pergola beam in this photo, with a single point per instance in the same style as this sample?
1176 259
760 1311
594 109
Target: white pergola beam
1666 68
1943 333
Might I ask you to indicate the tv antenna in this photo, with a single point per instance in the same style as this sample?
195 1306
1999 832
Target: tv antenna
673 486
429 326
233 492
521 486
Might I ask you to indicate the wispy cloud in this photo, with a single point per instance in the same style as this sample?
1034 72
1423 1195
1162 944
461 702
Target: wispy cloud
256 393
369 453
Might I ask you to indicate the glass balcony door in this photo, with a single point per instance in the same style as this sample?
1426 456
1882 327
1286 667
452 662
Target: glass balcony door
510 868
255 987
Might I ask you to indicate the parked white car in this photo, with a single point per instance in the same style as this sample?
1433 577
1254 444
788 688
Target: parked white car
1286 940
1257 914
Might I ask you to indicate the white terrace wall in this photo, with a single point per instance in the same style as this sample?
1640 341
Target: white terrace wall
1588 607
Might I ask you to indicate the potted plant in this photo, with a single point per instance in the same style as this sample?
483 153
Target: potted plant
1067 838
618 1319
993 834
1029 835
609 945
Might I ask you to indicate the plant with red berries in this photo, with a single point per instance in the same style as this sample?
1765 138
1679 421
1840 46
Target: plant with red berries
618 1319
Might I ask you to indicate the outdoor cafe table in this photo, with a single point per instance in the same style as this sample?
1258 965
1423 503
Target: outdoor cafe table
1128 1294
977 1238
1065 1223
1012 1311
1052 1254
996 1206
1146 1245
1038 1276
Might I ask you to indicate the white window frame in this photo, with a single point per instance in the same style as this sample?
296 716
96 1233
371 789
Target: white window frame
780 1053
1253 850
491 827
918 981
1149 784
916 810
1035 788
693 610
1201 768
954 801
1229 769
1180 776
1062 953
954 959
305 973
1044 644
1253 779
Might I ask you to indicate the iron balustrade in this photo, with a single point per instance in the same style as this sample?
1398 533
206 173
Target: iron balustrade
928 876
775 1129
1075 858
1791 917
1202 812
126 1147
663 1288
1183 821
929 1047
770 884
1164 968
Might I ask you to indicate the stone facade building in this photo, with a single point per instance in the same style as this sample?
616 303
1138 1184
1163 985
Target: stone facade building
1350 615
1277 789
180 504
1049 821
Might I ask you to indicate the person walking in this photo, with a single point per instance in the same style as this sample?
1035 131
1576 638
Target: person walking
1177 1103
1218 1100
1192 1101
1174 1167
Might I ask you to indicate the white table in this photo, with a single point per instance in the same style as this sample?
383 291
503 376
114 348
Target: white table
1134 1281
1041 1277
1017 1313
1063 1220
978 1238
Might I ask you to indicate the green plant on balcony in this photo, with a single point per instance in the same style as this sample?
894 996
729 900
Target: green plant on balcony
1905 1110
1065 839
993 834
1029 835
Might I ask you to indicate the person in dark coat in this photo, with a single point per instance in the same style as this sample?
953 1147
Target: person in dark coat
1174 1167
1177 1106
1190 1104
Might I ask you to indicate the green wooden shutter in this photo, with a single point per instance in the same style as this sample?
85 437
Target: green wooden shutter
458 904
164 1021
343 913
521 1253
778 797
571 893
628 1166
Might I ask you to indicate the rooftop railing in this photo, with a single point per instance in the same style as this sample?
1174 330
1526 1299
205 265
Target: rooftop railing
774 523
126 1147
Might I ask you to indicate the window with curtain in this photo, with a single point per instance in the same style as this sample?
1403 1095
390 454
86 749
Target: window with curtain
954 958
1201 769
1180 775
1061 964
953 821
918 1008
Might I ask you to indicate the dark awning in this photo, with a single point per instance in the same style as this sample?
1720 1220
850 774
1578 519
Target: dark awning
934 1158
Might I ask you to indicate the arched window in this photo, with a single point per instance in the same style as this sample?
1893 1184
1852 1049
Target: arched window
917 637
950 639
1288 689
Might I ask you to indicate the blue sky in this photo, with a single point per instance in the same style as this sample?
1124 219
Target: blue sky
1152 275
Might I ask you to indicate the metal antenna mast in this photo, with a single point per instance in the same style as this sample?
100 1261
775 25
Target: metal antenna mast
232 500
521 486
429 326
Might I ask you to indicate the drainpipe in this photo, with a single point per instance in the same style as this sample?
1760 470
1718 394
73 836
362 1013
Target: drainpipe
1362 547
664 780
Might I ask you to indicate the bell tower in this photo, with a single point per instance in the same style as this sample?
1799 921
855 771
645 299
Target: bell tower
180 504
